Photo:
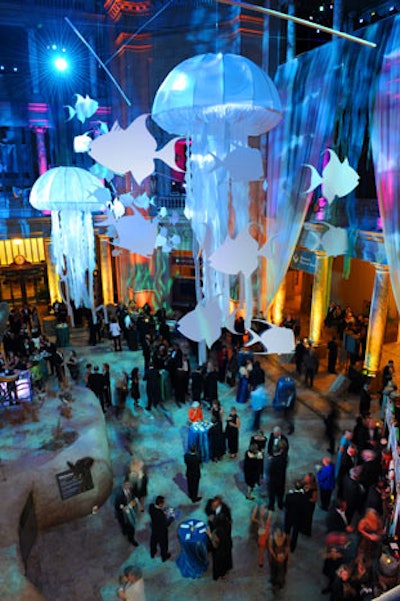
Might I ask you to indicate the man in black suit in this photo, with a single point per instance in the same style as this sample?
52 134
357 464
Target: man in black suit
336 520
124 505
159 528
278 447
295 506
96 382
193 462
216 510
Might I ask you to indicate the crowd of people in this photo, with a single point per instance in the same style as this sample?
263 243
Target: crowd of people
353 483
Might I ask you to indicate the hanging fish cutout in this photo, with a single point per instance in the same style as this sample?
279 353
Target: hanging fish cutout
143 201
85 107
135 233
337 180
236 255
82 143
203 323
274 339
133 149
116 207
243 163
334 241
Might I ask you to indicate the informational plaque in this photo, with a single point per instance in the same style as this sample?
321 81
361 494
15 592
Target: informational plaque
74 482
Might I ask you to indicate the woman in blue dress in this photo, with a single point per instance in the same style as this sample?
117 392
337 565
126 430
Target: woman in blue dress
243 390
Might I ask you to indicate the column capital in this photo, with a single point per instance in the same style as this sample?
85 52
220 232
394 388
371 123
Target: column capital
321 254
380 267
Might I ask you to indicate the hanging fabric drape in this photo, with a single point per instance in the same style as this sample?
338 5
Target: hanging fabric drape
309 99
385 149
325 94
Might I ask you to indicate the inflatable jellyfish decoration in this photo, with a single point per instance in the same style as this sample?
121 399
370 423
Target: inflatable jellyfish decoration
216 101
72 194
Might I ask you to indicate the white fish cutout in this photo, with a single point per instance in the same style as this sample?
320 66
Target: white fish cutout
274 339
143 201
133 149
334 241
82 143
236 254
338 178
243 163
116 207
203 323
135 233
85 107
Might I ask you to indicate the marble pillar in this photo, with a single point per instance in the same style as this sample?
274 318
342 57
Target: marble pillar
278 306
319 296
52 275
377 320
106 270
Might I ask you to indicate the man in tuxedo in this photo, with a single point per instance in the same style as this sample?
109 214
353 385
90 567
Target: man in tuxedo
274 440
295 504
124 505
193 462
336 520
160 522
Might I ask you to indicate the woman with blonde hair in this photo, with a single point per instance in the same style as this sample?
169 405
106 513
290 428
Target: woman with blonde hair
370 528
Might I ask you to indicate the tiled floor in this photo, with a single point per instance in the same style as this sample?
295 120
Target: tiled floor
80 561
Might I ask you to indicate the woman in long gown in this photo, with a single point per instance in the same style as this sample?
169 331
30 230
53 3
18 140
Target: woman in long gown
216 440
221 546
232 432
243 390
253 466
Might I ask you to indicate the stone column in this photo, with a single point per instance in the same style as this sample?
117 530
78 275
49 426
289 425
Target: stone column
107 287
319 296
377 320
52 275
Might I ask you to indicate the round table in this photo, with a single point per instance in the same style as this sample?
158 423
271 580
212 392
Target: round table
192 560
198 435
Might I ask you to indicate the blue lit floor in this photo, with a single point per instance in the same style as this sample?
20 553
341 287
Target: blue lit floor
80 561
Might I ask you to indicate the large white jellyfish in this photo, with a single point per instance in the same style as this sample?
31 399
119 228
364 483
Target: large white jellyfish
217 101
72 194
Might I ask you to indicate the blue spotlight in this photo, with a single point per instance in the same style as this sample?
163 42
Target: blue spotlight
60 63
